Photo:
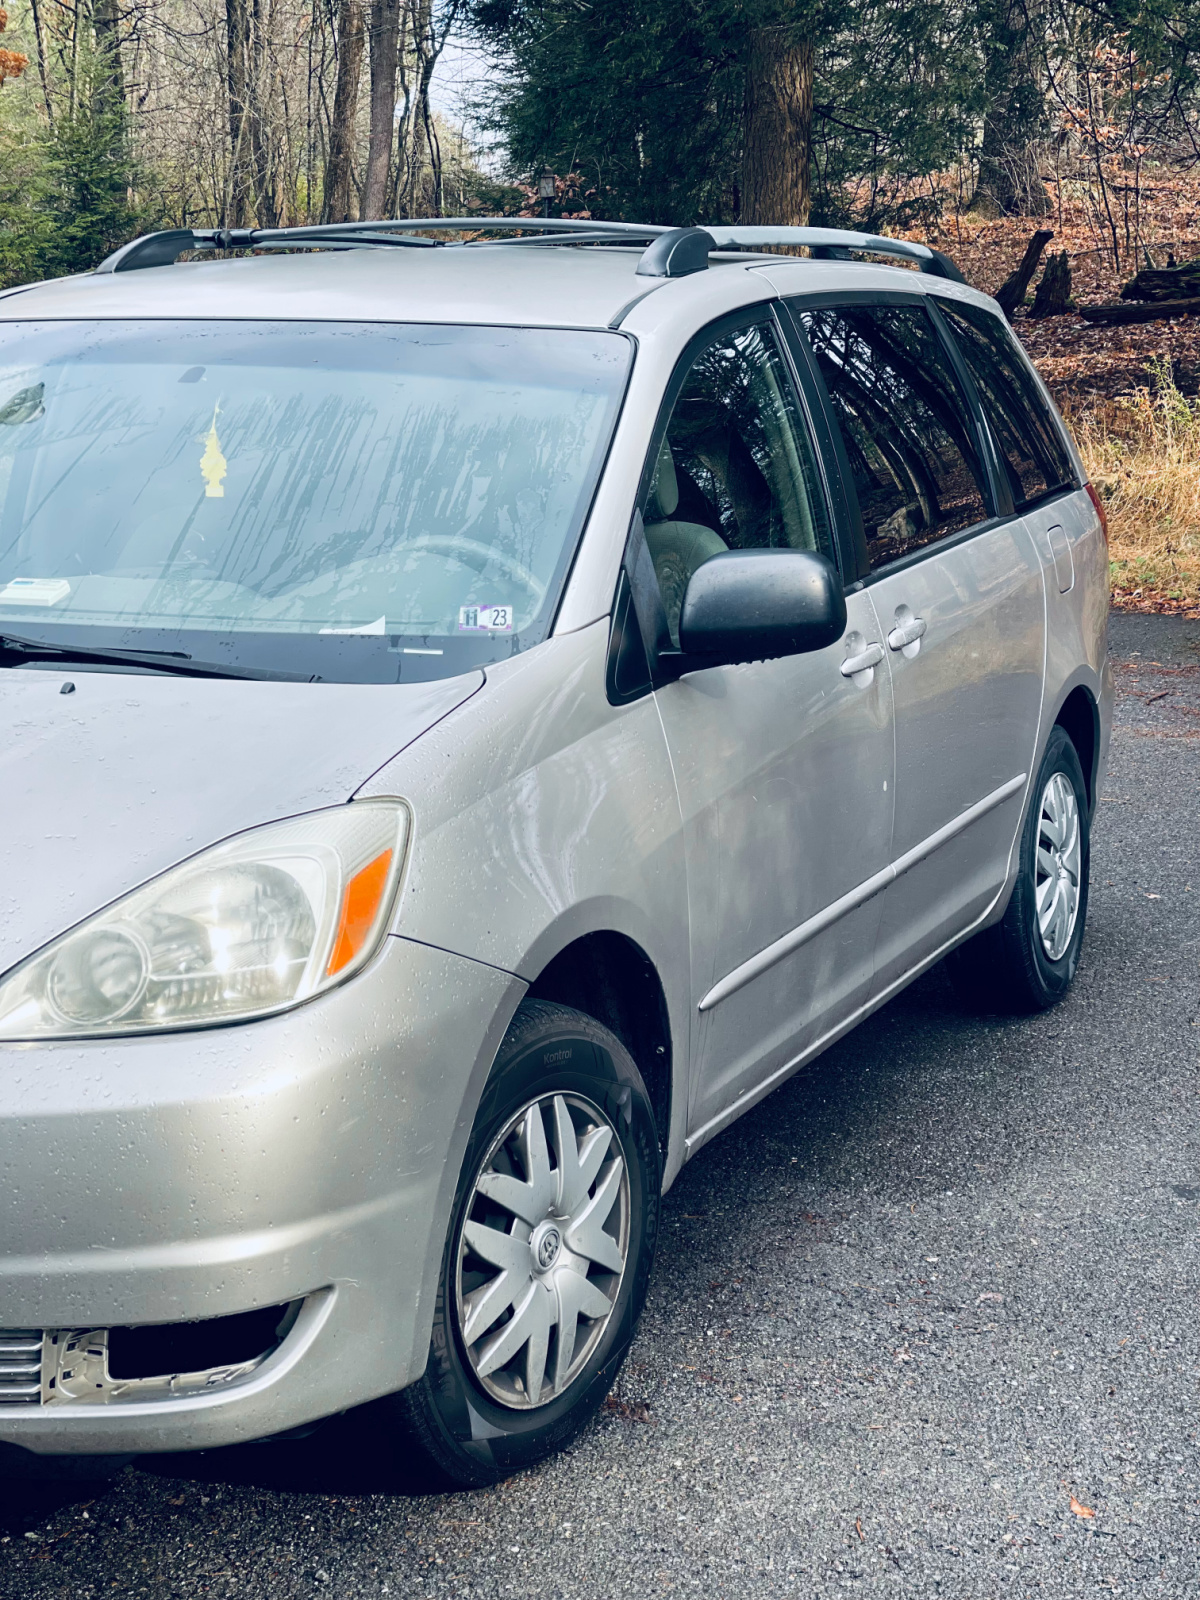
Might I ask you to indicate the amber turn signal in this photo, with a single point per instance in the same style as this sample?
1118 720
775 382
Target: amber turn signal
360 906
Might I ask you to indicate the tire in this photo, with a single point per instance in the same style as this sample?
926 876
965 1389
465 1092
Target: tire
473 1422
1015 966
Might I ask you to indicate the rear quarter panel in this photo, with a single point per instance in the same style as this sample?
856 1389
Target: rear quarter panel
1077 623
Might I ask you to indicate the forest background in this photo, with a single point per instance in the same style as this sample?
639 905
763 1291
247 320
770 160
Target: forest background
969 122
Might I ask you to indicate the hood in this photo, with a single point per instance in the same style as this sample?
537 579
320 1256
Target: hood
107 787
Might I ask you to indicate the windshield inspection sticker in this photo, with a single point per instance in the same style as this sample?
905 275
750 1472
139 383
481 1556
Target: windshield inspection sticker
485 619
34 591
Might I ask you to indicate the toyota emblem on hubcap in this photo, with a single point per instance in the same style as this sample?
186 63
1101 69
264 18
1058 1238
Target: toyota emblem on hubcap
548 1247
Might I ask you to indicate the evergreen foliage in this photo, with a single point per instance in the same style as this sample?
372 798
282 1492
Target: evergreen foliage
639 103
86 191
116 120
67 187
23 222
642 101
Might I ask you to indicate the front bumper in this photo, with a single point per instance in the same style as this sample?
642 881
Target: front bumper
188 1176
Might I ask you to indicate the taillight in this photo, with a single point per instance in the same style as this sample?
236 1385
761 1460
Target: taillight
1095 499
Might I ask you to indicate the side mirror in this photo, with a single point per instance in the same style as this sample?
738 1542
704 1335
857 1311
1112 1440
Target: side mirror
754 605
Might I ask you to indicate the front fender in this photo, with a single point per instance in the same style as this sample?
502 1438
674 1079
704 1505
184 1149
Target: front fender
543 813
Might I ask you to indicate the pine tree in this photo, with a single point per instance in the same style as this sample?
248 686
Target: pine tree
694 110
86 192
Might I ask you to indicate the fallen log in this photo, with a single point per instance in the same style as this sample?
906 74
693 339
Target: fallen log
1164 283
1146 311
1012 291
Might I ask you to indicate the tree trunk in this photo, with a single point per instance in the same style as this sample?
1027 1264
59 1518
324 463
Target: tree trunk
1009 183
262 154
1053 293
40 37
777 129
106 21
387 17
434 146
1164 283
237 77
419 151
1012 291
338 187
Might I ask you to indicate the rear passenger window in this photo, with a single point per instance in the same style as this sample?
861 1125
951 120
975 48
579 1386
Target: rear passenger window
736 470
1030 444
905 421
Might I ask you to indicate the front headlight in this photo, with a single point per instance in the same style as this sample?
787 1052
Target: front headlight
254 925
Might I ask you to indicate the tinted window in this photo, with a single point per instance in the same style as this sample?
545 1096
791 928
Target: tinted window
1029 440
333 500
736 470
905 422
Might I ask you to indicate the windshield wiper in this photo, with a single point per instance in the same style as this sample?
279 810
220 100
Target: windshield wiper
169 661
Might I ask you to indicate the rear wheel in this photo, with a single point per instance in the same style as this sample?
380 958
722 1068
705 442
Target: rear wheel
548 1253
1027 961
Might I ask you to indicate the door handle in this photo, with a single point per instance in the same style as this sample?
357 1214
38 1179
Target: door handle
861 666
905 633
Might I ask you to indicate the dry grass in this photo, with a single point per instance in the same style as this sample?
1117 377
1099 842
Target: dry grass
1142 452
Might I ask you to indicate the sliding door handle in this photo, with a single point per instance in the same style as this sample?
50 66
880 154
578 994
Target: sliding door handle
907 632
860 667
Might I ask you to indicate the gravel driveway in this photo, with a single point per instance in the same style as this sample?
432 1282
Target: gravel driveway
925 1322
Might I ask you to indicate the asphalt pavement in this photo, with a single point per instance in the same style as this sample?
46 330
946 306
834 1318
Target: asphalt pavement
926 1322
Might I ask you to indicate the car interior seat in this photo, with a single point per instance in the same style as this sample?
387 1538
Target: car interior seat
676 548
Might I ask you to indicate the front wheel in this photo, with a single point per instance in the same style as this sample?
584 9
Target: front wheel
1027 961
548 1253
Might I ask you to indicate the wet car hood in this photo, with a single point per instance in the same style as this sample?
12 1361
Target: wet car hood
104 787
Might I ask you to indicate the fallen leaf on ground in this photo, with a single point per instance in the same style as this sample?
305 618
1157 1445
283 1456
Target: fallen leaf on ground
858 1525
1081 1510
628 1411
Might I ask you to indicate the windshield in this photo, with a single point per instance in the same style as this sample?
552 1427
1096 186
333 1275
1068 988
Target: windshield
348 502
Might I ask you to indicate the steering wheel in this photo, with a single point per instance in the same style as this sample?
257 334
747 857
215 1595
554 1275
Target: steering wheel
479 557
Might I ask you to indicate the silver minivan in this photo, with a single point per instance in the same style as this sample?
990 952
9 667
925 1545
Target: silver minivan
480 710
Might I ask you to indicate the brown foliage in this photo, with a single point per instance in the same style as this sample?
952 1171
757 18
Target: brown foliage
1141 452
12 62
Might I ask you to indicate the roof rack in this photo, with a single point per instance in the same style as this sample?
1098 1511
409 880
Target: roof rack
670 252
837 244
161 249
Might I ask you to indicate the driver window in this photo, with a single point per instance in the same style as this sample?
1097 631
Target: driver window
736 470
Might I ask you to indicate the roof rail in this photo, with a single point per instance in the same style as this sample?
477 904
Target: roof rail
671 252
836 244
161 249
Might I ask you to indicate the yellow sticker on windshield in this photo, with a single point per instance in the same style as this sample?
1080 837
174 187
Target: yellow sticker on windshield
213 465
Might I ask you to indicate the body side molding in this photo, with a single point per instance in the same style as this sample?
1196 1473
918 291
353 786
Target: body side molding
784 946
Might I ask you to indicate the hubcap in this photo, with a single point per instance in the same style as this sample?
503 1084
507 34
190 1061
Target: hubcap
542 1250
545 1243
1059 863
